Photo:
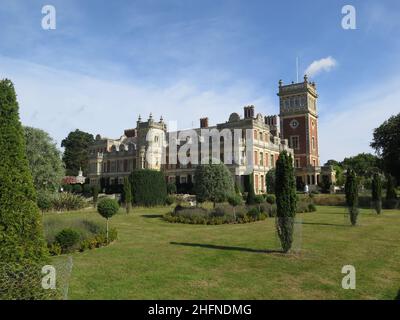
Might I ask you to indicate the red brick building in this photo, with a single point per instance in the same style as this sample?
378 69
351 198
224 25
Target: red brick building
299 125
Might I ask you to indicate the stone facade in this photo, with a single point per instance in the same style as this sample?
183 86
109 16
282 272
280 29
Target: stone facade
259 139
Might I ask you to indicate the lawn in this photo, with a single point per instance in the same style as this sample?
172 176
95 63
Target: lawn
154 259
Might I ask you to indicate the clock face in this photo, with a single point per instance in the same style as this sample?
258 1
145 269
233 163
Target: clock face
294 123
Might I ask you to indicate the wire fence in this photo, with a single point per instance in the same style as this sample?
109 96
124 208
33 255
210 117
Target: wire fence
30 281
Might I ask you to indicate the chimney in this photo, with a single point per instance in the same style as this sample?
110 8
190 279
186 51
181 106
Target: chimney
248 112
204 123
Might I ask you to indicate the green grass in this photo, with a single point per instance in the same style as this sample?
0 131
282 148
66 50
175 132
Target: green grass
154 259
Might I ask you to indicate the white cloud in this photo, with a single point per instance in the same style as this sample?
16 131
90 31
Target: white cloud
317 66
60 101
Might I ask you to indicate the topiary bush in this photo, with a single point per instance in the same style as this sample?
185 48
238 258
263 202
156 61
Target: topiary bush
22 245
148 187
107 208
67 239
270 198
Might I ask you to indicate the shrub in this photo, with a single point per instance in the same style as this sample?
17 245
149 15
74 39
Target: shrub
68 201
171 188
87 190
55 249
312 207
45 201
250 190
219 215
21 236
77 188
67 188
270 198
351 188
213 182
148 187
95 193
127 194
235 200
285 192
377 193
67 239
169 200
107 208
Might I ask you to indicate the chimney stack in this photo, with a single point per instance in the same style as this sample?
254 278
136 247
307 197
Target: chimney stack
204 123
248 112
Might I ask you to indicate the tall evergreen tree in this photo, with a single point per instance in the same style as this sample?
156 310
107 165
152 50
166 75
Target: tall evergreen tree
351 189
251 195
285 192
76 153
127 193
22 246
377 192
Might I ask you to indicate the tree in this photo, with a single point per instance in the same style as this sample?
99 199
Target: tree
107 208
285 192
259 199
390 189
351 190
377 192
22 245
213 182
148 187
235 200
251 195
127 194
76 153
95 193
270 181
44 159
363 164
386 142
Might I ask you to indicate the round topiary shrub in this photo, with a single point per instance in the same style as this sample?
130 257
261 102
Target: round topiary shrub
107 208
270 198
67 239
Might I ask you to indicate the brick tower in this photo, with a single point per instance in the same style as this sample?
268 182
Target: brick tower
299 124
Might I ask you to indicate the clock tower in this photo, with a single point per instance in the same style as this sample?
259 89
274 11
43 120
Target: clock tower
299 125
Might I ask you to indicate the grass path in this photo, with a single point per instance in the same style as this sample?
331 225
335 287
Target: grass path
153 259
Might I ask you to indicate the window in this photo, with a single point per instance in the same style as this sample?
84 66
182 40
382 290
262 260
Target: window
313 142
261 159
314 163
266 160
272 161
261 136
255 157
294 142
255 134
297 163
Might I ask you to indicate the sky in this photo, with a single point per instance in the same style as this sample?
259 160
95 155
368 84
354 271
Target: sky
107 62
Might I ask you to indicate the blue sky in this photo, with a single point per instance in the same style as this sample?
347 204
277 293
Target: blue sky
109 61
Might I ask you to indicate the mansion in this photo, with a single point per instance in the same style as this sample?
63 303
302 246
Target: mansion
261 140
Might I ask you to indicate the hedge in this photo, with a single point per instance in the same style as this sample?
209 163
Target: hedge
148 187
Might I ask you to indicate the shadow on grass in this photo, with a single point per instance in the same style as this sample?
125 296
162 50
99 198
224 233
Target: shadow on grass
152 216
325 224
398 295
211 246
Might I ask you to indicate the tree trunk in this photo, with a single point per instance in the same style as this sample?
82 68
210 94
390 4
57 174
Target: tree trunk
107 230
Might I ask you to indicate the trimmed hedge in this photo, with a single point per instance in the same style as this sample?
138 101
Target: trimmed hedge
148 187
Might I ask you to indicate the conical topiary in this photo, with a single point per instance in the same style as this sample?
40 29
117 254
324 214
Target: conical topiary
22 246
